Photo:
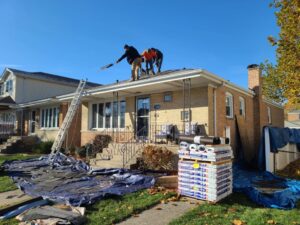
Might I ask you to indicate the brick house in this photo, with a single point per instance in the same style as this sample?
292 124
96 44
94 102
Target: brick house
129 111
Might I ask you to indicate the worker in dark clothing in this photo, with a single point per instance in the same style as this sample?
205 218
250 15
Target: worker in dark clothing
158 59
134 59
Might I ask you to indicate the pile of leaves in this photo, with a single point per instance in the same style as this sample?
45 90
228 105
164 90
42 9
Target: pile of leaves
292 170
156 158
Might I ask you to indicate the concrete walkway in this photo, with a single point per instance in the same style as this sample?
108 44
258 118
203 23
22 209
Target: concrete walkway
10 198
163 214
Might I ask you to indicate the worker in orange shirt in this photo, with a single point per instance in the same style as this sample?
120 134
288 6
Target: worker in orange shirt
148 56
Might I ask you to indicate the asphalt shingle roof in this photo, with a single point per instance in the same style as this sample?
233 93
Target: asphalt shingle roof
53 77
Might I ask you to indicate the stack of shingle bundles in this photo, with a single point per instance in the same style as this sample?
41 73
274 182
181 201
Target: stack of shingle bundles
205 171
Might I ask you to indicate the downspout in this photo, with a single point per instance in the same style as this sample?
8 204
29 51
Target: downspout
215 111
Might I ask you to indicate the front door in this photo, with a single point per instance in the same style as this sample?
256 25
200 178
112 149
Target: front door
32 122
143 114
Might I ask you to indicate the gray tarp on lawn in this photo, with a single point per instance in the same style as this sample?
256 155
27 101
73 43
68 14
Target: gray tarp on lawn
64 179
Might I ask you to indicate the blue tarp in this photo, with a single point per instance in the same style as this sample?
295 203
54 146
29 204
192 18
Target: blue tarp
266 189
64 179
279 137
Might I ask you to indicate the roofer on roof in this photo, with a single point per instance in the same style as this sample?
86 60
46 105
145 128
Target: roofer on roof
134 59
158 59
149 57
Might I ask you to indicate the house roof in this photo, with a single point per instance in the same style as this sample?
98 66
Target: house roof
6 100
50 77
162 82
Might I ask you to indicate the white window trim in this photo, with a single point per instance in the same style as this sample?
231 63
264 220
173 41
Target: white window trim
241 99
111 118
231 105
47 120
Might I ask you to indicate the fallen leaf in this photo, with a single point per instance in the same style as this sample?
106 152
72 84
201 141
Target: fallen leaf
135 215
163 202
271 222
237 222
232 210
174 204
158 208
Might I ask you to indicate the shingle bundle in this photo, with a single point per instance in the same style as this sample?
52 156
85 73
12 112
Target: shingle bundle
205 171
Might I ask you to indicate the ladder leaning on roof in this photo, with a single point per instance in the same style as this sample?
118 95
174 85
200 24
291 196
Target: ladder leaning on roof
68 119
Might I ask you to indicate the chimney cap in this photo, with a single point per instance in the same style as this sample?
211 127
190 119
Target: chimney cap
253 66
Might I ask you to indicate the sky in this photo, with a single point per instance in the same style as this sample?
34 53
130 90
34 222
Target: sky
74 38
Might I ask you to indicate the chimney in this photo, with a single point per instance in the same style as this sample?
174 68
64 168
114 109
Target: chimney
254 78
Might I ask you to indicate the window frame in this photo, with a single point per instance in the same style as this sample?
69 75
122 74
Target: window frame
166 94
231 105
242 100
49 120
103 117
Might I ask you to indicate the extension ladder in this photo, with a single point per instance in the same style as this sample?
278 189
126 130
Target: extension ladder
68 119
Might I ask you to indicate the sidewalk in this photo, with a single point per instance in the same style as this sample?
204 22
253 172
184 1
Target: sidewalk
163 214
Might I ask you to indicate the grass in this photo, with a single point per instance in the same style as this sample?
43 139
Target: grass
115 209
6 183
239 209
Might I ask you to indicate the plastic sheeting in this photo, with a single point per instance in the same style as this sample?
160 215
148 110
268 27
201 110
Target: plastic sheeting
266 189
64 179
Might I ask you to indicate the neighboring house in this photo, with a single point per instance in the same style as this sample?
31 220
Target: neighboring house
18 87
293 119
138 110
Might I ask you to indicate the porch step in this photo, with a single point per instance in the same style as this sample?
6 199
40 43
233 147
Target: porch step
18 144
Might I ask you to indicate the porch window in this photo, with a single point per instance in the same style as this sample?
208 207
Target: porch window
100 115
108 115
229 105
49 117
122 113
115 114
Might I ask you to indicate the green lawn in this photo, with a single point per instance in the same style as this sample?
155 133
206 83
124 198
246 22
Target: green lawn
239 209
115 209
6 183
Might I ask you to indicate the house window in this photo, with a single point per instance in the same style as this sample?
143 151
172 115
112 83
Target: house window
49 117
168 97
9 87
122 113
108 115
269 115
229 105
242 106
1 89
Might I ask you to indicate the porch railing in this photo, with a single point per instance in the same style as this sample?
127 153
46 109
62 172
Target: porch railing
7 129
134 146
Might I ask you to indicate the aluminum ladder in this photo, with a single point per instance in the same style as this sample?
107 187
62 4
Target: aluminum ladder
63 130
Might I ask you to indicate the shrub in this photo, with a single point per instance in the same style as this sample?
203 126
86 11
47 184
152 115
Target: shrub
157 158
43 147
99 143
81 152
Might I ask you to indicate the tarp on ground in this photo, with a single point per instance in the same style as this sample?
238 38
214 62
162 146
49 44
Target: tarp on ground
266 189
66 180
